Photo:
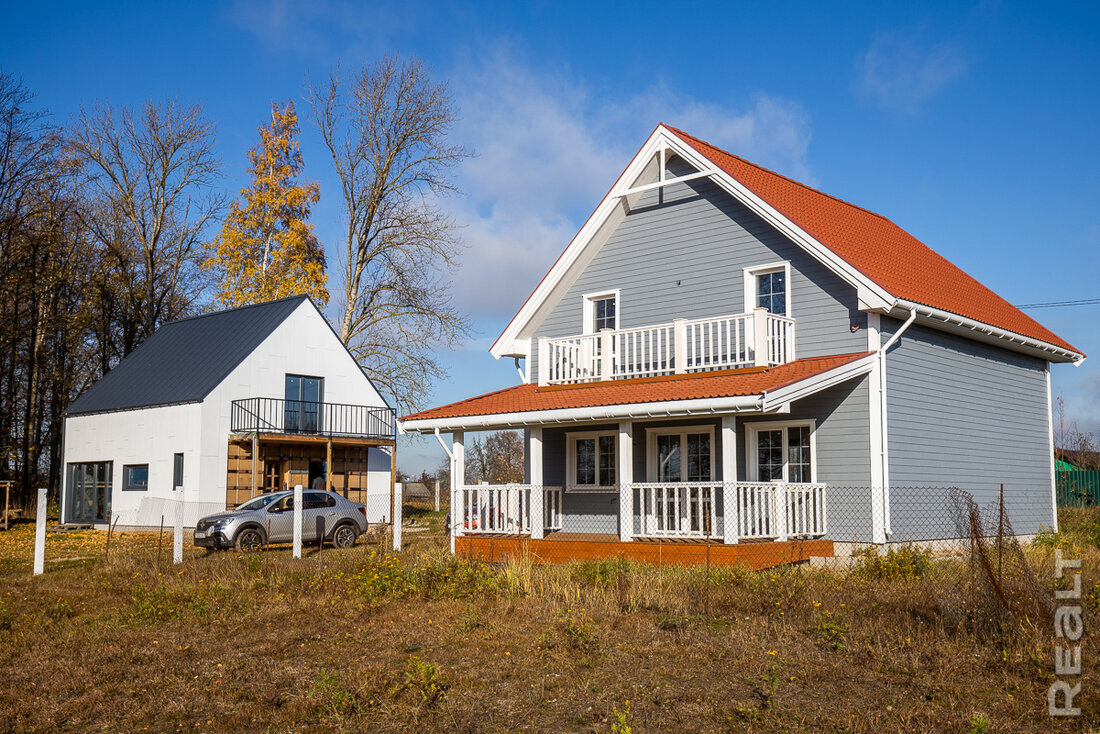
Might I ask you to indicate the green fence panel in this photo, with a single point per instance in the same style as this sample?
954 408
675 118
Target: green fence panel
1078 488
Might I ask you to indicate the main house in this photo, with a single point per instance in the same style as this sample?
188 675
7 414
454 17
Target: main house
725 355
220 407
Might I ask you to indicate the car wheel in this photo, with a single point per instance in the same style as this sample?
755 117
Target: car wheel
249 539
344 536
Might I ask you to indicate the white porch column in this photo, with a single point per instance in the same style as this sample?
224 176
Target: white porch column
729 480
626 481
781 511
538 494
458 478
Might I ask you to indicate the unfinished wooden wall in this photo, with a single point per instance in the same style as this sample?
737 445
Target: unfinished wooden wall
347 476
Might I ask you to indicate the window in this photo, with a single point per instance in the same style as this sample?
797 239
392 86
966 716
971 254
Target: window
682 454
601 311
177 471
303 404
592 460
135 476
768 287
781 452
89 492
317 500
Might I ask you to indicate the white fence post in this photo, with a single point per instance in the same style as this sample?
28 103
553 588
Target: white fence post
297 521
437 495
760 346
40 534
398 515
607 354
679 345
177 530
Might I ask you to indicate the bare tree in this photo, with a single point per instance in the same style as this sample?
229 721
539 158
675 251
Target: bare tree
152 172
386 130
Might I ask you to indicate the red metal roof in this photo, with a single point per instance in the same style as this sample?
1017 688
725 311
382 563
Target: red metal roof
878 248
730 383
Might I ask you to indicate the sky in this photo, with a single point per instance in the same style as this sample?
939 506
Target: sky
972 126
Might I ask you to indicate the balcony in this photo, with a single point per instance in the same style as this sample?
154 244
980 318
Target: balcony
756 339
300 417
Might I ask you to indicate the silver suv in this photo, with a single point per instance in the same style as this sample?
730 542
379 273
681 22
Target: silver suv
269 518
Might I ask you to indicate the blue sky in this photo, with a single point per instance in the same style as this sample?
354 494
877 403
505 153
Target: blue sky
972 126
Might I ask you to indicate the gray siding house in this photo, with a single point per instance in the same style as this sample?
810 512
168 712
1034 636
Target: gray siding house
724 355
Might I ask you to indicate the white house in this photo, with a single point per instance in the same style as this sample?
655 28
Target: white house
227 405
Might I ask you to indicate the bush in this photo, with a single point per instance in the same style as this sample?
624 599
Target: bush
906 562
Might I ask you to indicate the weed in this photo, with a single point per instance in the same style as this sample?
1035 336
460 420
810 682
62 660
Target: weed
423 679
471 621
579 633
979 724
333 698
831 630
620 720
771 682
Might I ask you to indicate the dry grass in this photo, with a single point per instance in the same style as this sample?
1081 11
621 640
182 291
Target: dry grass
365 641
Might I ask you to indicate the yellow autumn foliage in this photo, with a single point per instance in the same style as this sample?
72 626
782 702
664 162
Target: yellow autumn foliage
266 248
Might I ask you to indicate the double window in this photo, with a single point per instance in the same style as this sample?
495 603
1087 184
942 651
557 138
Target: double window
592 460
781 452
682 454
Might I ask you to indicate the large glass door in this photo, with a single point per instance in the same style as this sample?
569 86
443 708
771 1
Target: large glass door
89 493
303 404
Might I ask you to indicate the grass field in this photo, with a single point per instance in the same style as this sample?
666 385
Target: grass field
363 640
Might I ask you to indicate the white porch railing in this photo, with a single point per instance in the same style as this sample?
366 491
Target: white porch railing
679 509
680 347
505 509
780 510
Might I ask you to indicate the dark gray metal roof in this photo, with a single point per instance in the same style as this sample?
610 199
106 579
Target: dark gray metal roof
184 360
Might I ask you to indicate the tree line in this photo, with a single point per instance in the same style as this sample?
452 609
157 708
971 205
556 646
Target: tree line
116 221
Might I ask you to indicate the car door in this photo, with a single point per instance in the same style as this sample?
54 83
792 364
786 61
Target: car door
280 520
319 514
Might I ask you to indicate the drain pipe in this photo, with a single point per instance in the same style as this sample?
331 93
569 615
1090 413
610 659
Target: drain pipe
884 456
451 489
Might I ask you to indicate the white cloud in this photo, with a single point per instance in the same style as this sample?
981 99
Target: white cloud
549 147
901 73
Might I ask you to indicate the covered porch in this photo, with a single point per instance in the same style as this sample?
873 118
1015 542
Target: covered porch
720 467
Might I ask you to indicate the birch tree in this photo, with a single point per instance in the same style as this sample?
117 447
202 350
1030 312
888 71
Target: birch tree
266 248
386 129
152 171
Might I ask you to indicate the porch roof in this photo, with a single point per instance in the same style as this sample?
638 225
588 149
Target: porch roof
527 403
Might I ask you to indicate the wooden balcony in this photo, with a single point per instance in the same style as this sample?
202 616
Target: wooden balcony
756 339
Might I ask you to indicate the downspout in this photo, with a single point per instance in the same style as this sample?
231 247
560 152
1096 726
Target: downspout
884 455
520 370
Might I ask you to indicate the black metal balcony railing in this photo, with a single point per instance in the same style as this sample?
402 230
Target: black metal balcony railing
276 415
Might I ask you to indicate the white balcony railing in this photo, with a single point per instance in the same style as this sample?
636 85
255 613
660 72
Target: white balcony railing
780 510
679 510
505 509
680 347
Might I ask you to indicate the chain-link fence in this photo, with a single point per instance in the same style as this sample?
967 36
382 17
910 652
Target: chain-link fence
971 555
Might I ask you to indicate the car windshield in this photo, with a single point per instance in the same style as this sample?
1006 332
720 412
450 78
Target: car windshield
257 502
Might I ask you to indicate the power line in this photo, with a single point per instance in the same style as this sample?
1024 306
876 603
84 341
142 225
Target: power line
1059 304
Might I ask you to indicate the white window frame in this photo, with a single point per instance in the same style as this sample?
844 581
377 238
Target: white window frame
571 439
751 284
752 447
683 431
589 308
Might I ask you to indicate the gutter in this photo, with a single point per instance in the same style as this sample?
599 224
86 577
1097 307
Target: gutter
884 454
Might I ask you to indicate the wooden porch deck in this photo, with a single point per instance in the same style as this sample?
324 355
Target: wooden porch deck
562 547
